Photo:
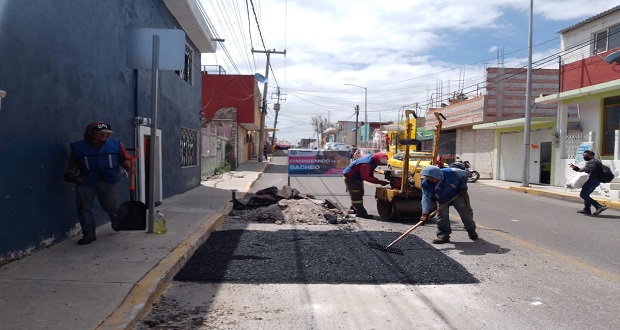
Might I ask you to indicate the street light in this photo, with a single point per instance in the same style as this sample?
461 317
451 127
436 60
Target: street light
365 111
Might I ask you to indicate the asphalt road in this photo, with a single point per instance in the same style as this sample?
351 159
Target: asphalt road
537 265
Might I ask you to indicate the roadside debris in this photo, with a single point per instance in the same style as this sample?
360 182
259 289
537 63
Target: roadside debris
288 206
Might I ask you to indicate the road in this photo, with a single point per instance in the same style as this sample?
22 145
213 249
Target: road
538 265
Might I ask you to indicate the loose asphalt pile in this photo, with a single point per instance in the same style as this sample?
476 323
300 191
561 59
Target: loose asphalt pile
302 256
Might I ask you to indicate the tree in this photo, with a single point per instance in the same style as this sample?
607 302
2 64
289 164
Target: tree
319 124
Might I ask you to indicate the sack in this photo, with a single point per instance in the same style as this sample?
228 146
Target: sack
577 180
606 174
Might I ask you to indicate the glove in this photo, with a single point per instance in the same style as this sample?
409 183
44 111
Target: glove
383 183
71 177
424 217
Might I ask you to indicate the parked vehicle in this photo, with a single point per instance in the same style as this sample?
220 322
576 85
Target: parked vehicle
346 147
396 161
283 145
465 165
332 145
363 152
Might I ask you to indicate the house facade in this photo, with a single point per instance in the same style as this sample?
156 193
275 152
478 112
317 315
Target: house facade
589 94
233 101
64 65
487 129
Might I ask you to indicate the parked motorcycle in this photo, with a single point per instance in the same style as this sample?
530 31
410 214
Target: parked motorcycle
465 165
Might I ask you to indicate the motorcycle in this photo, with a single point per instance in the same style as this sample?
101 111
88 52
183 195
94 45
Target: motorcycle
465 165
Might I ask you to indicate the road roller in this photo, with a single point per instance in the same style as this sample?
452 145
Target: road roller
402 199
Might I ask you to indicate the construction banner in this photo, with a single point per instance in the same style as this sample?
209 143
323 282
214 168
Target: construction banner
309 162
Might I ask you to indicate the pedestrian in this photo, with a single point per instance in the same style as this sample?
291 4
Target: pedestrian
594 168
265 152
94 167
444 184
362 169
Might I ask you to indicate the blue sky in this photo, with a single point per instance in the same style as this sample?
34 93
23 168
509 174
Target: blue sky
402 51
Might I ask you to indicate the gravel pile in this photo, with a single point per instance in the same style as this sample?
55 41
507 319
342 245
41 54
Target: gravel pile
288 206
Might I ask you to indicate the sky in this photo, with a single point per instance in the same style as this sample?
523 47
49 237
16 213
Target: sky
402 54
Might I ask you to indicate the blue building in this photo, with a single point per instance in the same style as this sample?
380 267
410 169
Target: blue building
63 65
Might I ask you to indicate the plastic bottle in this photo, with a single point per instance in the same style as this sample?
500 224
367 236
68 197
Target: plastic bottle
160 223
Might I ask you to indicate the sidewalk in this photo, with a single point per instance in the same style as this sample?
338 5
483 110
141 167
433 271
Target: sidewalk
112 282
551 192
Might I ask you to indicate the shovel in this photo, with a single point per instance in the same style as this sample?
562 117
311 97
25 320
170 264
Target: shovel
131 214
389 247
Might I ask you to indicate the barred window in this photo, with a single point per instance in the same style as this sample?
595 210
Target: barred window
188 69
607 39
189 147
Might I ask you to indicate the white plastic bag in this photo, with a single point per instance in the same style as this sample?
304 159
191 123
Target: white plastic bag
577 180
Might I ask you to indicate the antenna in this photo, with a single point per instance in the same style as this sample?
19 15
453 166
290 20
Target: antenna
612 58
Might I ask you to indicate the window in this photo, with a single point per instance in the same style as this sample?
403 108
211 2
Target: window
189 147
611 122
607 39
188 69
600 45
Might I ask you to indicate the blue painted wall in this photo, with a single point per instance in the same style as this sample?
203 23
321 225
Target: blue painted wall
62 63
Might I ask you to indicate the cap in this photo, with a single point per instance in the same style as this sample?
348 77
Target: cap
380 158
100 127
432 172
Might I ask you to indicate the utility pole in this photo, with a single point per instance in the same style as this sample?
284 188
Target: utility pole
263 112
357 113
525 181
276 108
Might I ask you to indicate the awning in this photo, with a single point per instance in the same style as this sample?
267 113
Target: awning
393 128
519 122
579 92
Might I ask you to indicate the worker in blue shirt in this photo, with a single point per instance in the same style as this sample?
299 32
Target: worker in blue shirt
444 184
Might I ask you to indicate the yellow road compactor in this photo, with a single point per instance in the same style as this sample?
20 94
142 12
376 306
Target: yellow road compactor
402 200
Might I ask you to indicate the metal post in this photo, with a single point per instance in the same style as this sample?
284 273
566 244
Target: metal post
261 138
153 146
366 128
263 112
357 113
528 105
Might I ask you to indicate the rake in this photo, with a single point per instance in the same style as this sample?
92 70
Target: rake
390 249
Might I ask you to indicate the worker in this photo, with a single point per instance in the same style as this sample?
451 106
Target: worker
94 167
444 184
593 167
362 169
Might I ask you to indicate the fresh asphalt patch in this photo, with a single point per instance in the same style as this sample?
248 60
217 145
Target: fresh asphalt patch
319 257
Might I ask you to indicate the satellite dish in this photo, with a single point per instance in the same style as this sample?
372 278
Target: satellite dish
613 57
260 78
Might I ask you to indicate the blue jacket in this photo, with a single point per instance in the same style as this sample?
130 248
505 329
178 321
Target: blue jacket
454 181
98 164
352 171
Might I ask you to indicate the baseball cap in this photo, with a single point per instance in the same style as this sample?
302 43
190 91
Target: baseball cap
432 172
100 127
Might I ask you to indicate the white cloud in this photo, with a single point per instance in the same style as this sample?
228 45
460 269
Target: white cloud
396 49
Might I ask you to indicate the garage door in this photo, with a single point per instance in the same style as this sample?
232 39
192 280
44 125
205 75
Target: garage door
511 154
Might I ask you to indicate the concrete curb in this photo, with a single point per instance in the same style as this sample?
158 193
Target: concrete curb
144 293
150 287
566 197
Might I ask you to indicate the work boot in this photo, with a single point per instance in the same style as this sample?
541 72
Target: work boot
599 210
351 210
87 239
364 215
441 240
586 212
473 235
